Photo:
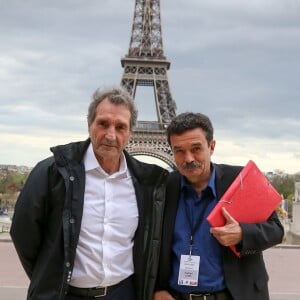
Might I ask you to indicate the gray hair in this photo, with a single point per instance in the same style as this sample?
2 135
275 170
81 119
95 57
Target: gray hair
117 95
188 121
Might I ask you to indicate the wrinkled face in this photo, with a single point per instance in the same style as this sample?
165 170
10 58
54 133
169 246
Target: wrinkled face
192 154
110 130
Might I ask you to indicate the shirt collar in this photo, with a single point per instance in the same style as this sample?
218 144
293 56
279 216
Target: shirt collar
91 163
185 185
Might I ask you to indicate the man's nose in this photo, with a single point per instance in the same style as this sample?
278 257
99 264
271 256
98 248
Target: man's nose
189 157
111 133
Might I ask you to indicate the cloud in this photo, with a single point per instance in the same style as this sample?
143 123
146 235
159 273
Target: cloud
236 61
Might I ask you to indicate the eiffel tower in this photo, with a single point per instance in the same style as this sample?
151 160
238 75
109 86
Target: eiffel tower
146 65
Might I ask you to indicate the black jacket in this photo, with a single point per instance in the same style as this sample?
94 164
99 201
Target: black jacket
46 223
245 277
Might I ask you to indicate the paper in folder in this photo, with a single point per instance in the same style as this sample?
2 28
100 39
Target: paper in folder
249 199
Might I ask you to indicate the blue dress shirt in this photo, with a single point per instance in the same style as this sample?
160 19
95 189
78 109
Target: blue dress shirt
190 207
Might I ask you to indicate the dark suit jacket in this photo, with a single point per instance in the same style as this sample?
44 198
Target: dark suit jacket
246 277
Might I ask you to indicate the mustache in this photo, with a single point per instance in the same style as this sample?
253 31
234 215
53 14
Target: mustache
191 165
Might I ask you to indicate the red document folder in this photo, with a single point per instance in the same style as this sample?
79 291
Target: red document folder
249 199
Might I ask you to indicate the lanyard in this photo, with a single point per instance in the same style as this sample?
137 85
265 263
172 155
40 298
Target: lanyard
197 225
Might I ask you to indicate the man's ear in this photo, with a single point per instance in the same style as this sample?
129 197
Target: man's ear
212 146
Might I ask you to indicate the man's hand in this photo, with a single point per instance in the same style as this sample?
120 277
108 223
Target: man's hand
230 233
162 295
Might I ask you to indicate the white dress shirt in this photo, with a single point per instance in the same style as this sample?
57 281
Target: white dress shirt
109 221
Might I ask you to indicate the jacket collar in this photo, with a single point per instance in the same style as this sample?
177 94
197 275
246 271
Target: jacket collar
64 154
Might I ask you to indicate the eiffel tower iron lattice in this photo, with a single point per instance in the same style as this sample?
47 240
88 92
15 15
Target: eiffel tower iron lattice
146 65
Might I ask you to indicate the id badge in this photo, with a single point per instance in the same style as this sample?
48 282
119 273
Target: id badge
189 270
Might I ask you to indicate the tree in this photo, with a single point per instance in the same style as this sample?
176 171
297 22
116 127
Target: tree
10 185
284 184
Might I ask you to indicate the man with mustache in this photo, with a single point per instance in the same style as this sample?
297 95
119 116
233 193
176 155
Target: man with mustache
87 223
196 262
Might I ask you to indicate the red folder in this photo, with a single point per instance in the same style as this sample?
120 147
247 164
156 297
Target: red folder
249 199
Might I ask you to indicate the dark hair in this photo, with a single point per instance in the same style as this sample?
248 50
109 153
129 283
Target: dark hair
116 95
187 121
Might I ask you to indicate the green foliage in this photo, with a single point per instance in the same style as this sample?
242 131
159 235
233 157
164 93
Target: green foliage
12 182
284 184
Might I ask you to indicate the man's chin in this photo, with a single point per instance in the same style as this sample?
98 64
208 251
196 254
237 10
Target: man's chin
191 172
107 151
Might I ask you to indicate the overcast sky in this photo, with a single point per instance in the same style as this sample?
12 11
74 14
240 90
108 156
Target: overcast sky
237 61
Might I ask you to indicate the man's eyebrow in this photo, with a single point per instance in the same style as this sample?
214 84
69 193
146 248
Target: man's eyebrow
192 145
177 147
197 144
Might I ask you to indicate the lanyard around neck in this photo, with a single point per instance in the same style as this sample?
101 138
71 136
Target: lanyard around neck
198 223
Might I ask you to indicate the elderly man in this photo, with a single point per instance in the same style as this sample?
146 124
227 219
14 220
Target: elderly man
87 223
